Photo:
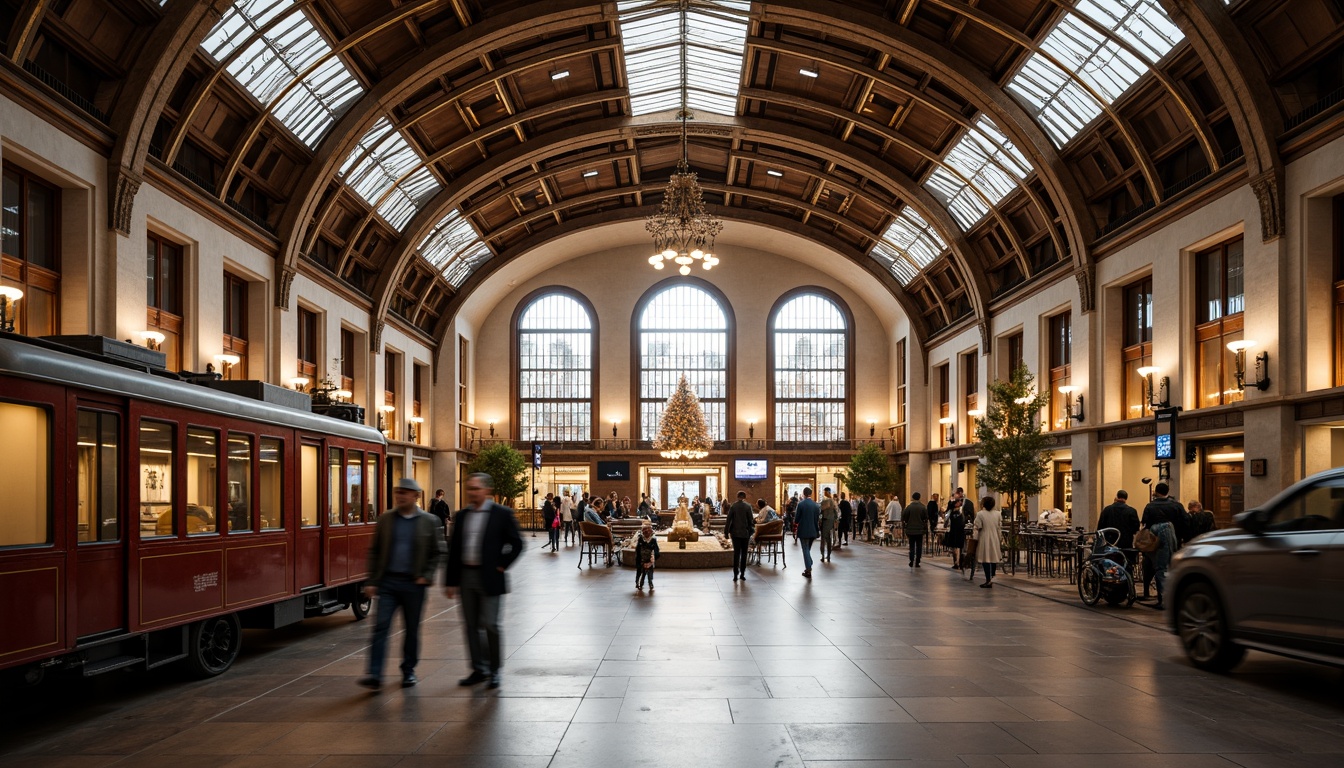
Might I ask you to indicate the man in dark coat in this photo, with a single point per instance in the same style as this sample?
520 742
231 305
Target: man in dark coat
1125 519
485 543
1165 517
548 513
741 524
407 543
872 510
915 521
440 509
808 516
846 519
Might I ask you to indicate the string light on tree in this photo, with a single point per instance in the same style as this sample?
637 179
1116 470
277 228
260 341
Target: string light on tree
682 434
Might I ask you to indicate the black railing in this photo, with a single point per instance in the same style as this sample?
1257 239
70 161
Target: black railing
1126 218
1325 102
250 215
1232 155
194 177
1186 183
51 81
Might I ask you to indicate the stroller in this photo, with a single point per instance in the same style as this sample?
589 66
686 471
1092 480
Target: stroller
1105 573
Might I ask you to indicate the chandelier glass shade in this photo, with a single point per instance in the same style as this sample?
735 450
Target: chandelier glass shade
683 231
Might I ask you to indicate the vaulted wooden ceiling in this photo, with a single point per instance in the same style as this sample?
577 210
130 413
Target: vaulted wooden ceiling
408 149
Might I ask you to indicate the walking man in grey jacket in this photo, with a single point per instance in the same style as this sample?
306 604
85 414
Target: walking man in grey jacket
407 543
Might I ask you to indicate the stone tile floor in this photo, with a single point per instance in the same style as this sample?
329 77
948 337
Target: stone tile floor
869 665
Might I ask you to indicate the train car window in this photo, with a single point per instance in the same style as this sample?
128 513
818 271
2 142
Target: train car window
374 504
271 480
157 443
202 479
354 485
25 483
97 468
310 487
335 514
240 482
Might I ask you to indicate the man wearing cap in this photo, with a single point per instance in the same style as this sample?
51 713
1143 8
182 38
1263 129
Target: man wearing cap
407 543
485 543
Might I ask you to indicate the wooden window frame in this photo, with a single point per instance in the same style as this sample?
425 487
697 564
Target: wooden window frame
1226 328
235 344
1137 348
157 318
1060 361
516 393
15 269
308 336
772 394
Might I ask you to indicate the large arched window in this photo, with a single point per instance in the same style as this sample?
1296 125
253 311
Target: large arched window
683 329
555 369
810 368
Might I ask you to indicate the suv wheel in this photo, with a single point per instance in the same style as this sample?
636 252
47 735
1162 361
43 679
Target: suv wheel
1201 624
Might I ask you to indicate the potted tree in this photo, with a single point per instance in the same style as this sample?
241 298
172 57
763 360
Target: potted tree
1013 459
507 467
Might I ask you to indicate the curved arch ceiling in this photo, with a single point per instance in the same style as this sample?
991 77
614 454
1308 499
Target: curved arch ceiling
946 143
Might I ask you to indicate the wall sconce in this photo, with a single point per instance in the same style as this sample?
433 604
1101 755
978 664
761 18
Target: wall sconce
615 423
492 427
298 383
949 431
1155 400
975 413
9 307
343 395
152 339
1239 348
1070 414
414 428
872 427
227 362
751 429
384 416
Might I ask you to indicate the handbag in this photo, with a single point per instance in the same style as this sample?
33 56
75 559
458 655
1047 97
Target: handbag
970 547
1146 541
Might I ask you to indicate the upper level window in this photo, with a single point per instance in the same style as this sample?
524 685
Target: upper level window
970 392
683 330
555 370
391 372
1220 298
347 359
812 377
1061 358
235 323
899 433
308 344
1138 348
29 241
945 434
1014 353
163 272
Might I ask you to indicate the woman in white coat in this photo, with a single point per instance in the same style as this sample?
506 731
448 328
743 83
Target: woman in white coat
988 534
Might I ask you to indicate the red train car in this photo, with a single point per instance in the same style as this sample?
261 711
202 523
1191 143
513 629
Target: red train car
146 520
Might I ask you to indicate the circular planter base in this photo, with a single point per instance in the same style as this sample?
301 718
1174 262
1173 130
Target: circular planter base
705 553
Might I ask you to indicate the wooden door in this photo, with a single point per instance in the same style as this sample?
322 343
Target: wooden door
1223 491
308 546
101 521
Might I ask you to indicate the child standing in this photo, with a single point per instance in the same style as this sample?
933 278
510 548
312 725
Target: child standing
646 553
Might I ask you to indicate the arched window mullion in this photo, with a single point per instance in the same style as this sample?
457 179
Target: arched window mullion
554 365
682 329
811 369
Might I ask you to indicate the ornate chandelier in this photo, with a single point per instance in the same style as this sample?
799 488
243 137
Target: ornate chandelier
683 232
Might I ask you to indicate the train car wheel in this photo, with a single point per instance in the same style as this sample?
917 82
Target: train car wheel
362 605
215 643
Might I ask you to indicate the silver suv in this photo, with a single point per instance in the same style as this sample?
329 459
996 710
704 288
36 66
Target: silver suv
1274 583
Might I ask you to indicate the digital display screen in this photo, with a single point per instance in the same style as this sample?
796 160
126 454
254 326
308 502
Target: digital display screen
1166 447
751 469
613 470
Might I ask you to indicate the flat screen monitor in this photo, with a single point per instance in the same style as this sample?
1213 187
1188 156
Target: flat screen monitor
750 469
613 470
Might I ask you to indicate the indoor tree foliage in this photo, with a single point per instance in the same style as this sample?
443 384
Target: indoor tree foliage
870 473
1013 458
506 466
682 432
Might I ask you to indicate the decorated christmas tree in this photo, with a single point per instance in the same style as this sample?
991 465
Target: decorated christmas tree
682 433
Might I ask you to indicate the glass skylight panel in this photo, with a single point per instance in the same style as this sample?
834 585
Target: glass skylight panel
985 160
1061 103
281 44
909 245
716 37
454 248
381 157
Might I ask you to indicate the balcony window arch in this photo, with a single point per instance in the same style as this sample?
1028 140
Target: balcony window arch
555 365
811 367
682 328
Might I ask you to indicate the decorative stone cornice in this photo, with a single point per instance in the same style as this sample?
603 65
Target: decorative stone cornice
121 203
283 285
1268 188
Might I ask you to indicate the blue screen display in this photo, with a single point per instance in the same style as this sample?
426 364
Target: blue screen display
1165 447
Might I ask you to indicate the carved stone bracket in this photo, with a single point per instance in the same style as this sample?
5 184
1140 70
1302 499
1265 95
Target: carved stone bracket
376 338
283 285
1268 188
986 343
125 186
1086 275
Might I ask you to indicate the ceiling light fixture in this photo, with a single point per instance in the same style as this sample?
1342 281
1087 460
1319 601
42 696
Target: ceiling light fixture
809 73
776 174
683 231
561 75
589 174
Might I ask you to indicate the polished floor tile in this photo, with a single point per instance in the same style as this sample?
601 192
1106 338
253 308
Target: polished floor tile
869 665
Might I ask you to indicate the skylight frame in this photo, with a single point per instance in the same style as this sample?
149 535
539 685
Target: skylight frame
716 44
276 53
979 170
454 248
1079 70
389 174
909 245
